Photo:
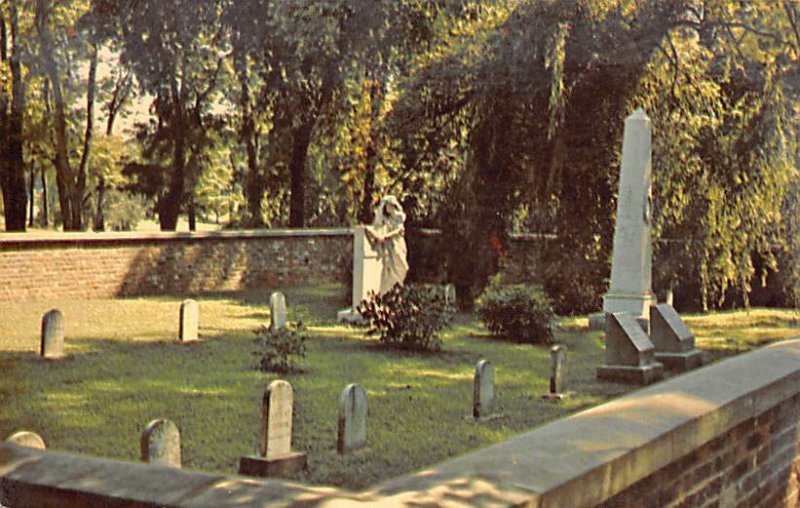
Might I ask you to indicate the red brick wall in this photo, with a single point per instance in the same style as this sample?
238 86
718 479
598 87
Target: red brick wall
88 265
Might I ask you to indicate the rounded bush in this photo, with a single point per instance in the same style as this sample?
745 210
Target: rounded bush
517 312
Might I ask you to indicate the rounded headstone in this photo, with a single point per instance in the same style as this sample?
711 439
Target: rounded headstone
161 443
483 390
53 328
27 439
352 419
189 321
277 309
277 420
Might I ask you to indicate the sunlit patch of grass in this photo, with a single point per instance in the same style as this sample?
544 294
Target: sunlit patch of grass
126 369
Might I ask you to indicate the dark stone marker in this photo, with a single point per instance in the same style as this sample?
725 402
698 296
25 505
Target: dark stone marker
352 433
630 356
558 372
53 328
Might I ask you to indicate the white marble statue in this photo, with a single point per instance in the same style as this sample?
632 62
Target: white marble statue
387 237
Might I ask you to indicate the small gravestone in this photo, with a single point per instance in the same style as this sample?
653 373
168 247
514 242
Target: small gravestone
670 297
450 294
27 439
630 356
483 391
367 268
673 340
277 310
276 457
558 372
53 327
161 443
352 433
189 321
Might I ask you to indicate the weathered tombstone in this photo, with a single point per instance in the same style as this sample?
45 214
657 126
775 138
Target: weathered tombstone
558 372
670 297
277 310
352 433
450 294
161 443
189 321
630 356
631 262
483 390
673 340
276 457
27 439
367 268
53 329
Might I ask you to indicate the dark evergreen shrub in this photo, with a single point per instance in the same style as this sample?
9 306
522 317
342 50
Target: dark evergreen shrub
518 312
279 349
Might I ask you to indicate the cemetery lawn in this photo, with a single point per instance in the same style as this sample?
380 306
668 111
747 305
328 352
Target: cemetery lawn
125 369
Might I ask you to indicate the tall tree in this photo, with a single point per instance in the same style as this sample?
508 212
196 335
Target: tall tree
12 107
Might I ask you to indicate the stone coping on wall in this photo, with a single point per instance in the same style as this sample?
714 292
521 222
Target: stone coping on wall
577 461
10 239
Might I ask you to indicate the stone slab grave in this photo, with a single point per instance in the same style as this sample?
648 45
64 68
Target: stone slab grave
161 443
630 356
367 269
189 322
483 394
352 428
27 439
52 338
673 340
632 255
277 311
275 457
558 373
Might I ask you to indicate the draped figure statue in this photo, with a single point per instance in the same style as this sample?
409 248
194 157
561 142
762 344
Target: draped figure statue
386 234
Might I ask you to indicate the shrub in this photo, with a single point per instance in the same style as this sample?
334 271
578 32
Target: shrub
278 348
408 316
518 311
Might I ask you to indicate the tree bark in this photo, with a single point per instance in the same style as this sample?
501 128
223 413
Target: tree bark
15 196
83 166
169 206
301 138
253 181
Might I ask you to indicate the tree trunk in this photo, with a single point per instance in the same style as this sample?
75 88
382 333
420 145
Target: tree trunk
169 205
68 197
45 201
15 196
253 182
31 188
83 167
301 138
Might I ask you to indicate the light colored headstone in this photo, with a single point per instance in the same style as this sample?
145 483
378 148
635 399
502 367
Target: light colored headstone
27 439
450 294
631 265
352 419
275 455
161 443
53 329
673 341
558 369
670 297
630 356
483 390
189 321
367 268
277 310
276 416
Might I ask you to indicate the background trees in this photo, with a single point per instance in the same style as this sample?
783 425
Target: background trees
485 117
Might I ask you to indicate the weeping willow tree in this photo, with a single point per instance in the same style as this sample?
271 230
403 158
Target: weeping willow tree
541 100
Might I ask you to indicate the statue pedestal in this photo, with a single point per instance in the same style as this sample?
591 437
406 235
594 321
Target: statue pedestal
367 269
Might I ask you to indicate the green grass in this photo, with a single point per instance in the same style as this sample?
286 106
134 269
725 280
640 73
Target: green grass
125 369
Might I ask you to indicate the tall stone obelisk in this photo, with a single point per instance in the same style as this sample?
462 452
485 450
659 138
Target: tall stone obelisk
631 263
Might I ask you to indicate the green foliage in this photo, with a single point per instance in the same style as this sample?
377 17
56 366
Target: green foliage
123 210
278 349
516 311
409 316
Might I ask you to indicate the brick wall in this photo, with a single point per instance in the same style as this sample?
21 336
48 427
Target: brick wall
98 265
90 265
